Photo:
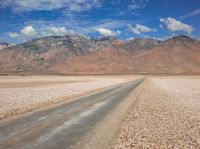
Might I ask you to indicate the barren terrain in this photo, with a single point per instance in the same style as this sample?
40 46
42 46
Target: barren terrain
21 94
77 55
166 115
163 112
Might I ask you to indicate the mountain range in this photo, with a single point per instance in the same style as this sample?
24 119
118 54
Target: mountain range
74 54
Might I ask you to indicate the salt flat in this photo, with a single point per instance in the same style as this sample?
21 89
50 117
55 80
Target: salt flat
19 94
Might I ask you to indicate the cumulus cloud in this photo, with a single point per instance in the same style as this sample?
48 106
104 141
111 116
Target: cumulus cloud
140 29
107 32
60 31
193 13
47 31
54 31
137 4
13 35
31 5
175 25
29 31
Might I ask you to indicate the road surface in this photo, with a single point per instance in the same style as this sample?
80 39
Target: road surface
62 126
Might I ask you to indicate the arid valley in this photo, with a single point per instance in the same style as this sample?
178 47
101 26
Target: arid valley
99 74
75 92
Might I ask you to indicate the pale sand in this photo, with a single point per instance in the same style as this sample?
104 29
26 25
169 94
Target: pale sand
21 94
165 116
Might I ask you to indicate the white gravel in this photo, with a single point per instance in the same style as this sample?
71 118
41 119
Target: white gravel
14 100
165 116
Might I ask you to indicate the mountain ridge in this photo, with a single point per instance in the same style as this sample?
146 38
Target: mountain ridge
3 45
81 55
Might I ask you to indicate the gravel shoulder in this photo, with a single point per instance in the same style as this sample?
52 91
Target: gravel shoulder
166 115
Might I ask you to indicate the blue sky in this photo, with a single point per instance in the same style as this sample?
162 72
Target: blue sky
22 20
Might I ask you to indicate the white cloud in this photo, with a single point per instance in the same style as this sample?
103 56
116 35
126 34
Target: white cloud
193 13
30 5
139 29
73 26
175 25
118 32
157 38
107 32
113 24
34 5
59 30
29 31
83 5
13 35
80 26
52 31
137 4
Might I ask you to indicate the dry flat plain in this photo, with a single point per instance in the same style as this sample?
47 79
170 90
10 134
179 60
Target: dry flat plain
162 113
19 94
166 115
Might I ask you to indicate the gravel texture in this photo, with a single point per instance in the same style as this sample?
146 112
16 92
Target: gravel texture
165 116
21 94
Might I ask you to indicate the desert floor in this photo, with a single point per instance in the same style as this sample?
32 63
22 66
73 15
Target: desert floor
19 94
166 115
164 111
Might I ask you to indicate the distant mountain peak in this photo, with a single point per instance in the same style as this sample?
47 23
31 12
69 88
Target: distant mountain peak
179 39
3 45
182 37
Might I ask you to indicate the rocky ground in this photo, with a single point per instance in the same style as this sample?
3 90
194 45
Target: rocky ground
21 94
166 115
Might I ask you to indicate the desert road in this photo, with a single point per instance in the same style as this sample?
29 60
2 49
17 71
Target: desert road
62 126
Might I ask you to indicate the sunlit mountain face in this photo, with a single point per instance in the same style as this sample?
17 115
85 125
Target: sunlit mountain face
125 19
75 54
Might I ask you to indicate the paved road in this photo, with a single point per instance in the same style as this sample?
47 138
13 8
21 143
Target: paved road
62 126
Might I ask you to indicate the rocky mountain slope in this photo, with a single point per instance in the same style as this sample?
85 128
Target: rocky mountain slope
41 54
80 55
3 45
